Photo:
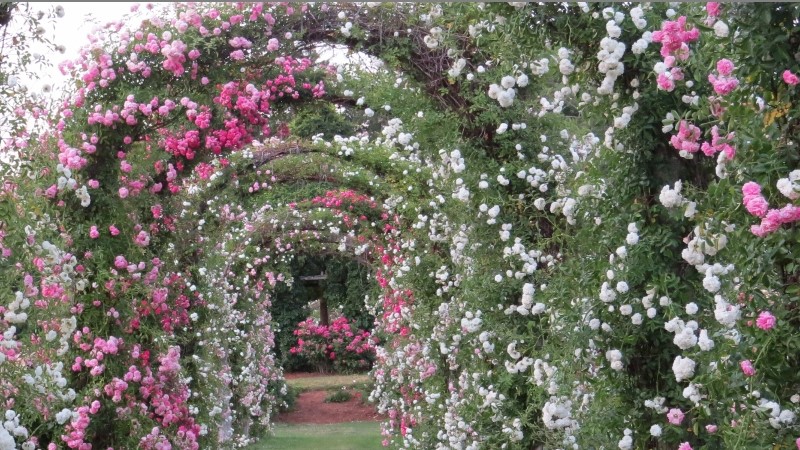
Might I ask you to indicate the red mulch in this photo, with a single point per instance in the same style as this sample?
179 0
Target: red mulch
311 408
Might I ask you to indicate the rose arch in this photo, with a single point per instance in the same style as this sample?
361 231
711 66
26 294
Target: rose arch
579 222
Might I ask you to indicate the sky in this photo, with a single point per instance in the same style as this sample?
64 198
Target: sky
81 18
71 31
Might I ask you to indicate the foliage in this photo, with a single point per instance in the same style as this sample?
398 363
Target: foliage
338 396
288 399
320 119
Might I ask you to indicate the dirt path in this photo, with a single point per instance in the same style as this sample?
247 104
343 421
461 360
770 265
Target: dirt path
310 407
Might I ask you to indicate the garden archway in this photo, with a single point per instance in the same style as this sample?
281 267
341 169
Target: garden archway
143 231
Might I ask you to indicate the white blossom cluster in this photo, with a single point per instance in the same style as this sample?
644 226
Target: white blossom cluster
611 52
790 186
12 430
505 93
49 378
683 368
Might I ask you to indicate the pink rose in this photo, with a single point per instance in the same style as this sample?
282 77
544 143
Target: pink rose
766 321
712 8
120 262
725 67
93 233
790 78
747 368
675 416
751 188
756 205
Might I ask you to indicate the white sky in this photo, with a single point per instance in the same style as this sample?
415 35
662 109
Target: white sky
81 18
71 31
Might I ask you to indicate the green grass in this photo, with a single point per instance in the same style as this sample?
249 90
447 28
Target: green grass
326 382
339 436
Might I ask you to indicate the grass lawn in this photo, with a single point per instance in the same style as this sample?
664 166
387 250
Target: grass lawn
326 382
339 436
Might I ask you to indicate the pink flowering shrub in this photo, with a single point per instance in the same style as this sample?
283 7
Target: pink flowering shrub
334 346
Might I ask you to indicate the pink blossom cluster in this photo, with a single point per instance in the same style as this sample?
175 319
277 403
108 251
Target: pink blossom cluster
688 138
766 321
333 341
343 200
790 78
771 219
719 144
666 79
723 82
674 38
76 429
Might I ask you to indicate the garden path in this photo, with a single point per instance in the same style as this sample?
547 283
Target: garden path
310 407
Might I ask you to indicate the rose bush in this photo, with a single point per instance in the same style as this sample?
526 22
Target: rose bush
335 345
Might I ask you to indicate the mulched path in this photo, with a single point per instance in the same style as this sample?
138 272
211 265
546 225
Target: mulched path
310 407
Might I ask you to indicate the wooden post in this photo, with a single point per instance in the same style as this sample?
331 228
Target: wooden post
319 293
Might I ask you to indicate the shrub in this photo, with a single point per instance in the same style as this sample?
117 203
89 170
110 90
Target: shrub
338 396
334 346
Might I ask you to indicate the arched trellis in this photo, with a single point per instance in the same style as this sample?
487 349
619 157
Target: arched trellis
342 222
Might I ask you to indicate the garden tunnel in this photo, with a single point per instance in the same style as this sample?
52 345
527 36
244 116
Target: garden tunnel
567 256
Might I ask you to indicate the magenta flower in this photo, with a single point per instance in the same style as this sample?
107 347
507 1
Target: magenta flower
712 8
790 78
665 83
756 205
685 446
711 428
747 368
751 188
766 321
675 416
93 233
723 85
725 67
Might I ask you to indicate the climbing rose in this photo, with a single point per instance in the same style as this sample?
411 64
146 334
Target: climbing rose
790 78
675 416
747 368
724 67
765 320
